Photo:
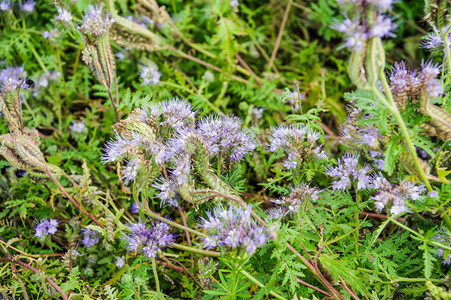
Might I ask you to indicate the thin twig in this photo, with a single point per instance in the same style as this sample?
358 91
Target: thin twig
246 66
312 287
353 295
279 36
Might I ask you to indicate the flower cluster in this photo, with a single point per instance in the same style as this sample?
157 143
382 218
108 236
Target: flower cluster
411 84
45 228
299 143
443 237
358 30
352 134
435 40
225 135
347 172
95 23
232 228
395 196
90 237
50 34
148 240
28 6
293 99
63 15
291 203
78 126
11 78
150 74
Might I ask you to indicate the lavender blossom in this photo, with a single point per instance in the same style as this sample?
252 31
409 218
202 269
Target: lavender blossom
395 196
118 148
120 261
90 237
148 240
234 3
168 191
28 6
429 71
292 202
299 144
78 126
257 112
224 135
382 27
95 23
232 228
63 15
134 208
435 41
11 78
130 171
50 34
443 237
5 5
150 74
347 172
45 228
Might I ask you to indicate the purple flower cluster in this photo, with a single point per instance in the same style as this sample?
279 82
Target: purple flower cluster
150 74
443 237
46 227
90 237
347 172
232 228
360 29
291 203
395 196
355 135
77 126
148 240
413 83
95 23
130 170
435 40
224 135
299 143
171 113
63 15
11 78
120 261
28 6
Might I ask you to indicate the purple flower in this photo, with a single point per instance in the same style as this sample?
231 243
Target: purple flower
134 208
382 27
5 5
443 237
175 113
395 196
293 98
433 194
148 240
168 192
118 149
63 15
28 6
11 78
95 23
435 41
232 228
429 71
348 171
292 203
46 227
77 126
299 144
224 134
90 237
234 3
50 34
130 171
120 261
150 74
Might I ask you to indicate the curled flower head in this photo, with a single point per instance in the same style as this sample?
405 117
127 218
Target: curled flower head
347 172
435 41
232 228
224 135
46 227
90 237
394 197
95 23
148 240
299 144
291 203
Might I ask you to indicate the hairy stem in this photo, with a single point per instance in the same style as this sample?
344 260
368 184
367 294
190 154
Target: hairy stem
157 282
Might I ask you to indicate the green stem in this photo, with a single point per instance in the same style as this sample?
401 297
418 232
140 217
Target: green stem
177 225
394 109
154 268
261 285
195 250
357 224
419 235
